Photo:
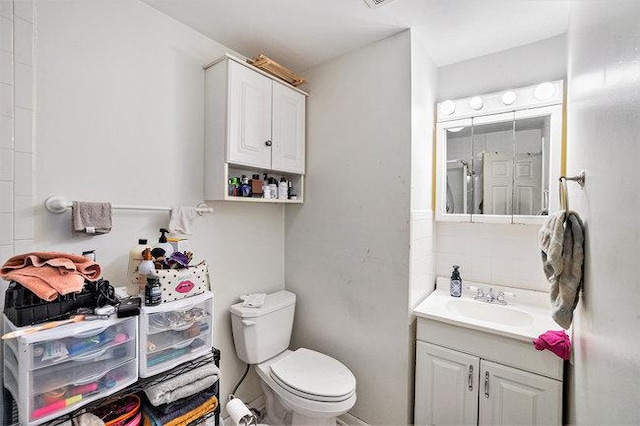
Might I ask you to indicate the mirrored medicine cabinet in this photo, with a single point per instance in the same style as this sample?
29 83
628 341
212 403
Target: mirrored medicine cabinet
498 156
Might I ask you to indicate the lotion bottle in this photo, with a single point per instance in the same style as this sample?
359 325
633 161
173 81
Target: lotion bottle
282 189
145 270
456 282
135 259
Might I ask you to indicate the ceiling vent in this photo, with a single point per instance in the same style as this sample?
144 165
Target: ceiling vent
376 3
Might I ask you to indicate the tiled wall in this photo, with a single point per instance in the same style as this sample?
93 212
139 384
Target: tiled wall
421 266
17 89
491 253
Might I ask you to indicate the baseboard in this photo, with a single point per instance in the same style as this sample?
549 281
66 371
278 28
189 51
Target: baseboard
348 419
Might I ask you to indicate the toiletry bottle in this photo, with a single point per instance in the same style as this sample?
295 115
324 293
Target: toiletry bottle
245 188
135 259
163 244
456 282
266 191
289 190
282 189
273 187
145 270
152 292
256 186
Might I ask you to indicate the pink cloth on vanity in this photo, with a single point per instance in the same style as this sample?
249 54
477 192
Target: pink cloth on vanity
556 341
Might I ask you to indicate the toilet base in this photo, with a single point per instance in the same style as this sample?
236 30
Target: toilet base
277 414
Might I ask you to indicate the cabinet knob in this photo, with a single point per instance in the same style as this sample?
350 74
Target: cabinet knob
268 143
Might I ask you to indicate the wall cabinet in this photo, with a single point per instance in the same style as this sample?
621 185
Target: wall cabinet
253 124
466 388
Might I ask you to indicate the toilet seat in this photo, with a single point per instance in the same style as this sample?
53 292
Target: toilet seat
313 375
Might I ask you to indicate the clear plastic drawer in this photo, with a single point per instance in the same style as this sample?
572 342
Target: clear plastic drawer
175 332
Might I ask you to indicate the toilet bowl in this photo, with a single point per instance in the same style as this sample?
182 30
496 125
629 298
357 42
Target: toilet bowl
301 387
314 387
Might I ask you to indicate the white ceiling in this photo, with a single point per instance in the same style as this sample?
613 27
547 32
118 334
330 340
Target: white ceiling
302 33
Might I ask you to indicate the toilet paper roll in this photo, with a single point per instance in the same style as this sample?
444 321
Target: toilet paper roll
238 412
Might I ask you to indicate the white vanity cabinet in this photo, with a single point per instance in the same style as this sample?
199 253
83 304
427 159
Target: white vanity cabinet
469 377
253 124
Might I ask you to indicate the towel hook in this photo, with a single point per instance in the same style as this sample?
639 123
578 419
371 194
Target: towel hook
564 193
580 178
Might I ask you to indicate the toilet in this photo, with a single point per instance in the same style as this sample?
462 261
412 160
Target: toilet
301 387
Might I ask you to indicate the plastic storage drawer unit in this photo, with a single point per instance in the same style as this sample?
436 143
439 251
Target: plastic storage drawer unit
175 332
54 372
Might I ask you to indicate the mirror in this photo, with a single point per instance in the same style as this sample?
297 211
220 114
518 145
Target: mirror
499 167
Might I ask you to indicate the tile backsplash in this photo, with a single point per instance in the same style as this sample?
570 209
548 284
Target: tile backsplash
500 254
17 106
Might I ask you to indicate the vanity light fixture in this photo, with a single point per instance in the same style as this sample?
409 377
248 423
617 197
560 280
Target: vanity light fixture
544 91
448 107
455 129
476 103
509 97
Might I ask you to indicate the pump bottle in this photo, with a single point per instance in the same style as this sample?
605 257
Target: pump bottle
456 282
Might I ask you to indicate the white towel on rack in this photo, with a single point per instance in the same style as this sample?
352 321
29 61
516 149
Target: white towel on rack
562 246
182 219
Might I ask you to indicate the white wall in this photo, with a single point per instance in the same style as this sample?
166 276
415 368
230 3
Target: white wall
347 247
534 63
497 253
604 138
120 119
423 91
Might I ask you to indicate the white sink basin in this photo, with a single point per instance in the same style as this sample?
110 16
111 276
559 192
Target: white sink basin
526 316
498 314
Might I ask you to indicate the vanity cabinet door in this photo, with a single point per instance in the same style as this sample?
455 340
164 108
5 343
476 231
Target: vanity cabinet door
249 119
446 386
509 396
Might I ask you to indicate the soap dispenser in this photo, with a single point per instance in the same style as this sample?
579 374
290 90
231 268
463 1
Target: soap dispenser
162 244
456 282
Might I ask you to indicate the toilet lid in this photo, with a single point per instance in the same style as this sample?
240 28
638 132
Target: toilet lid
313 375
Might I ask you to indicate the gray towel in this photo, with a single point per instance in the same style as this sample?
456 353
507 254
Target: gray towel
184 385
562 245
92 218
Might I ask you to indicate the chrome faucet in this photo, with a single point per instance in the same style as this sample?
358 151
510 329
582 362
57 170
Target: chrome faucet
489 297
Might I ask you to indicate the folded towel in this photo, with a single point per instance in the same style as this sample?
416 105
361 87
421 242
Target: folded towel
207 407
562 246
168 412
183 385
50 274
92 218
556 341
182 219
255 300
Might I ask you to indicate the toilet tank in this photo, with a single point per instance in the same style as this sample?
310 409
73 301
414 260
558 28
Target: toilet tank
264 332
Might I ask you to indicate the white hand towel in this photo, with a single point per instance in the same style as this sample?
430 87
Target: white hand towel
182 219
254 300
92 218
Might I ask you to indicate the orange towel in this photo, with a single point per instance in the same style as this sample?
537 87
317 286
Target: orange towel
207 407
49 274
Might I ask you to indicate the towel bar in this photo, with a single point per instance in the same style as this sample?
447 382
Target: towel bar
59 204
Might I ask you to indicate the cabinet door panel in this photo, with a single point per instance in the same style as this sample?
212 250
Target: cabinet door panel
446 386
509 396
249 117
288 129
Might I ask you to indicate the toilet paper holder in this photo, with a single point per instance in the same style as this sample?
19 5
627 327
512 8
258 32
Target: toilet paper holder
239 413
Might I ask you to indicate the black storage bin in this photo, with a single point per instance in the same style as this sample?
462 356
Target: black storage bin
22 307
